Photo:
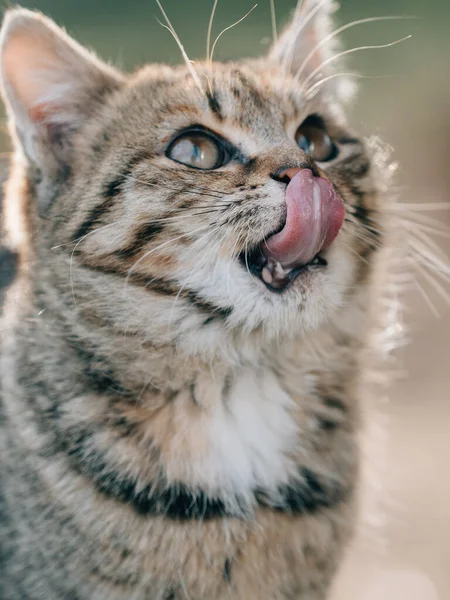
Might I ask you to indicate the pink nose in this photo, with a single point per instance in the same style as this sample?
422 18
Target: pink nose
290 173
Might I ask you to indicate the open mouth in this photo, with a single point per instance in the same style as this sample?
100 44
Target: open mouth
314 216
272 273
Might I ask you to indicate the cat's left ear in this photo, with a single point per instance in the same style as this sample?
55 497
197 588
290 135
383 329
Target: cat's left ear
51 86
306 46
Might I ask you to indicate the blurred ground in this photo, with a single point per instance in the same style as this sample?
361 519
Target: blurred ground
402 551
406 555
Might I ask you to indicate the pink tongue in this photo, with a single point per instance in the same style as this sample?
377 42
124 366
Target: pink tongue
315 214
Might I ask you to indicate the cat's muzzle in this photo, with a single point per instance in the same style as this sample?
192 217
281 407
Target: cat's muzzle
314 217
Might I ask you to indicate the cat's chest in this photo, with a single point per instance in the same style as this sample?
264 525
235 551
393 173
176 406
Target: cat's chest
235 435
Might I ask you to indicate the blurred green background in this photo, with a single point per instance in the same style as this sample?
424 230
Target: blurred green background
404 554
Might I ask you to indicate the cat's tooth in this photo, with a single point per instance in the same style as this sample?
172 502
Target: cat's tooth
266 276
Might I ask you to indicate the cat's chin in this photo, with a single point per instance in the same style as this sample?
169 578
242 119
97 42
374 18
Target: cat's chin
273 274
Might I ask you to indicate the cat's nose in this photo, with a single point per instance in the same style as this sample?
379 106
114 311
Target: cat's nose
289 174
286 175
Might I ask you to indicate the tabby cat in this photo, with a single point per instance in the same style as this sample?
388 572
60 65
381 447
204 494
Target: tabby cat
185 344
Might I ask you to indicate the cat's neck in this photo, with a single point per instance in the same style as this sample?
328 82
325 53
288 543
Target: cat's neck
94 355
100 359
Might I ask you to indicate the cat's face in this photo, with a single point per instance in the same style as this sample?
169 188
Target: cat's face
234 198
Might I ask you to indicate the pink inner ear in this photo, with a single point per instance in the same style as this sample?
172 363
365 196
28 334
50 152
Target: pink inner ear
42 112
38 113
28 66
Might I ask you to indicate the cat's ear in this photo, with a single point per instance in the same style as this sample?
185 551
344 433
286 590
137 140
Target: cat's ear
307 45
50 84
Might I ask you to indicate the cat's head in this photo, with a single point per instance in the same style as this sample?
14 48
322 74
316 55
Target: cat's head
180 203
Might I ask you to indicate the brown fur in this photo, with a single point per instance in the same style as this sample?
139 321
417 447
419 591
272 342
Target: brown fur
138 355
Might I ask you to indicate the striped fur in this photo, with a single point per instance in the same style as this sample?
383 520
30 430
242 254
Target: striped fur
172 428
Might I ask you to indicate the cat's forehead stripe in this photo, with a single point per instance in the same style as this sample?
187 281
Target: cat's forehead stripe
231 94
214 105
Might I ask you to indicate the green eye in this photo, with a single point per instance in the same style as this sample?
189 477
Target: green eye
197 150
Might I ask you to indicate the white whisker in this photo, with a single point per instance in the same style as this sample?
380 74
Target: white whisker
443 232
344 53
228 28
163 245
273 18
186 58
199 191
420 239
355 253
286 64
426 298
246 254
434 283
314 87
80 239
73 251
187 280
208 36
428 242
336 32
367 239
420 220
233 255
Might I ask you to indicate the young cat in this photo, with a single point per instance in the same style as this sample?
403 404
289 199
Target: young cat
184 347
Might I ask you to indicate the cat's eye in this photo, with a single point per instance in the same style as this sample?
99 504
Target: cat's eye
312 138
198 150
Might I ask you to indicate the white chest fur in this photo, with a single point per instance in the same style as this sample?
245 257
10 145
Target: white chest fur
241 439
252 434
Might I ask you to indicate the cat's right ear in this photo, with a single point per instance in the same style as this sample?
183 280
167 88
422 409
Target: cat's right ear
307 48
50 85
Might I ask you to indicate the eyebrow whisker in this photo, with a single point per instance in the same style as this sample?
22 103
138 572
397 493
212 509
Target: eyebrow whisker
212 193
